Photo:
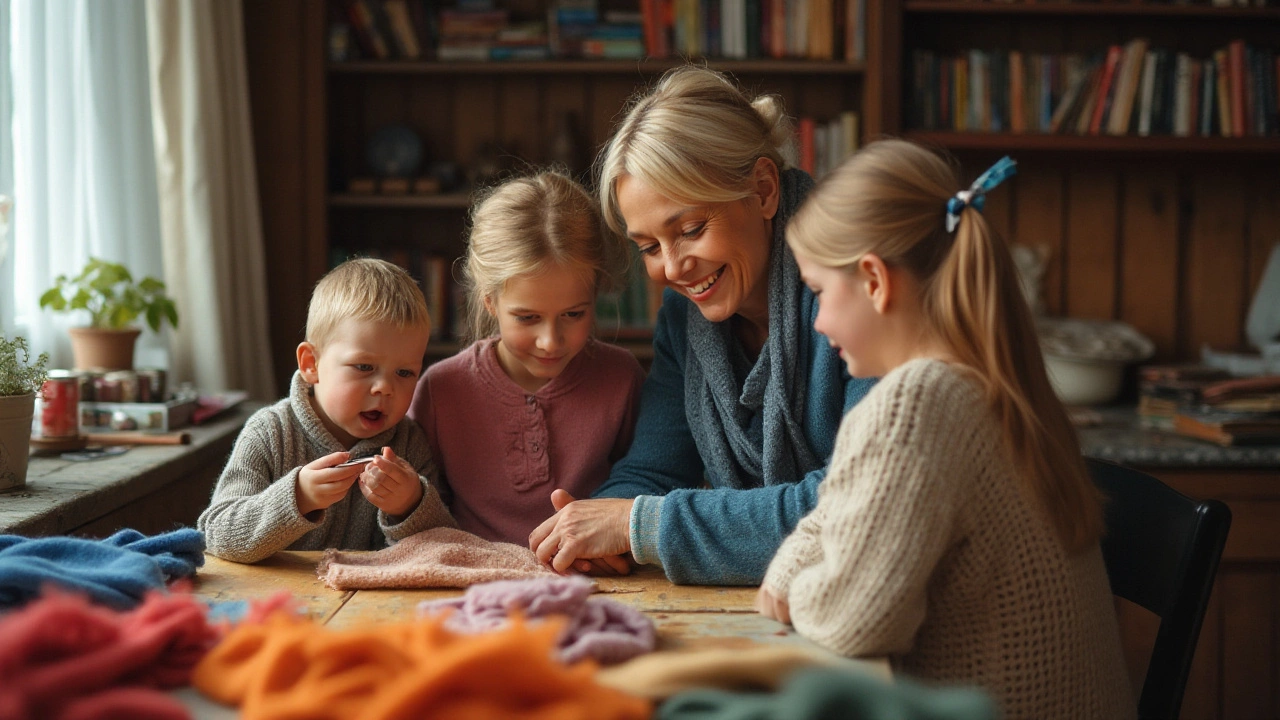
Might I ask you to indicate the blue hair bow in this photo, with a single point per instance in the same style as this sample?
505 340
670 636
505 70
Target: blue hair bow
976 195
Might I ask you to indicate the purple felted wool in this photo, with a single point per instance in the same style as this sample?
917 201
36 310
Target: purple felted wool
603 630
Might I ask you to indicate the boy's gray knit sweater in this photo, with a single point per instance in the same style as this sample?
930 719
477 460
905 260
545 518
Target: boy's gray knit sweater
254 510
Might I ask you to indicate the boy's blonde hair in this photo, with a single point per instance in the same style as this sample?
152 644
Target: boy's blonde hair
527 225
695 137
890 199
365 289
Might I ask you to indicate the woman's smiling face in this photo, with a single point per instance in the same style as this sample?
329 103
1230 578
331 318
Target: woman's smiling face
715 254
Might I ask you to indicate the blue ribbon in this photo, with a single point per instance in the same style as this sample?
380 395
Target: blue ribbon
976 195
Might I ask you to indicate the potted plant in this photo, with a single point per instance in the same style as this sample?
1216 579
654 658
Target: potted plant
114 301
20 380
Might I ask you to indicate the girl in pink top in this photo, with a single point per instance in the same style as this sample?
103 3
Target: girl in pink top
535 404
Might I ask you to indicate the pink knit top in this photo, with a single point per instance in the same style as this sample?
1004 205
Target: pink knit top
501 450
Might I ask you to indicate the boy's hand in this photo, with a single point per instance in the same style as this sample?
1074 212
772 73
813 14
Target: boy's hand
771 605
391 484
320 484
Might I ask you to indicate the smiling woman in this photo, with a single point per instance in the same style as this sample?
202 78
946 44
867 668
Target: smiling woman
743 395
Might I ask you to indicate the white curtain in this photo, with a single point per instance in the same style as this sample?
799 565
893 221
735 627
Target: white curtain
208 193
84 179
6 176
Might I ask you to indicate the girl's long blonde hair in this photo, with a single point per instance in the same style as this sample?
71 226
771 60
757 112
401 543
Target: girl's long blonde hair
529 224
890 199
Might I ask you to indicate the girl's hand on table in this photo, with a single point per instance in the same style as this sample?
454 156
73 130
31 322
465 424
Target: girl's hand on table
321 484
772 605
594 533
391 484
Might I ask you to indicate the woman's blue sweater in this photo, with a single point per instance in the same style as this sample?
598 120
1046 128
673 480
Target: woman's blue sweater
684 517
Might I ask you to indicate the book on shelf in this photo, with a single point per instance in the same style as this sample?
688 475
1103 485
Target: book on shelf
402 30
1167 391
824 145
1229 428
1126 89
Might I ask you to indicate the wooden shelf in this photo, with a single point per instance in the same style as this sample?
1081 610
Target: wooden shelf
1096 143
460 201
1081 9
592 67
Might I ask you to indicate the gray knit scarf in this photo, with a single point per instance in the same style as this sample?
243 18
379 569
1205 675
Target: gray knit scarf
746 418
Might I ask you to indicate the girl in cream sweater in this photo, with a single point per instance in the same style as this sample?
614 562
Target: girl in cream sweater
957 529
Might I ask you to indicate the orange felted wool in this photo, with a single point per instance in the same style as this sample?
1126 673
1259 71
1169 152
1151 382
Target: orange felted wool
288 667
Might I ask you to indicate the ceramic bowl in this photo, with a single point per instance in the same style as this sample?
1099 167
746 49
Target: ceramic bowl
1084 382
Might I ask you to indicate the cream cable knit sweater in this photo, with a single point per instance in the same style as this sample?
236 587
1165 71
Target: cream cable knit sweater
923 548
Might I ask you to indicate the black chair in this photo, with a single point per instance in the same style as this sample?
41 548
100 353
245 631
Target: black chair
1162 550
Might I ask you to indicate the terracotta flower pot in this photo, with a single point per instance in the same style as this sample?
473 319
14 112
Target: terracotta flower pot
96 348
16 412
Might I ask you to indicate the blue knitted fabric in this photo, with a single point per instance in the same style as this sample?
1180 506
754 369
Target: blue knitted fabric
117 571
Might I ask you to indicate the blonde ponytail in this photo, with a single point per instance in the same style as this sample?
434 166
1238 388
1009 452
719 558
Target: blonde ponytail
890 199
977 306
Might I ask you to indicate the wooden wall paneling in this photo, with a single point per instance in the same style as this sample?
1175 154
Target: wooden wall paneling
882 86
345 145
1264 224
1149 255
1091 242
821 98
431 108
563 94
1215 296
1038 221
385 102
475 113
1249 638
608 99
520 108
1203 697
286 74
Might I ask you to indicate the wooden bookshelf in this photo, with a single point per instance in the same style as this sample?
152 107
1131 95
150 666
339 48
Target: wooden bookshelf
1163 145
446 201
509 110
645 67
1077 9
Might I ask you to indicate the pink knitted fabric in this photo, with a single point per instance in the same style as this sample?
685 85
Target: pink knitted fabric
604 630
64 659
440 557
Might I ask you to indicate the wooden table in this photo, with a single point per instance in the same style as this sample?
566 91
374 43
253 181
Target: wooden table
686 616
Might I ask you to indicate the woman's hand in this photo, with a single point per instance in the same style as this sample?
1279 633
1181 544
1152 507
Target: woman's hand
772 605
584 530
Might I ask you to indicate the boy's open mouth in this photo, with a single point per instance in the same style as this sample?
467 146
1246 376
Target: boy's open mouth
372 415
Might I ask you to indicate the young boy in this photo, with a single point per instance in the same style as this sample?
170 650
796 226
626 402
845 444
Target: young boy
287 484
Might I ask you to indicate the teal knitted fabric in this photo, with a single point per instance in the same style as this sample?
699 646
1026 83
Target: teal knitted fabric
829 694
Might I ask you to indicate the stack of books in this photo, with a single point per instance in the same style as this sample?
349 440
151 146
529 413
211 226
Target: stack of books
1129 89
1208 404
